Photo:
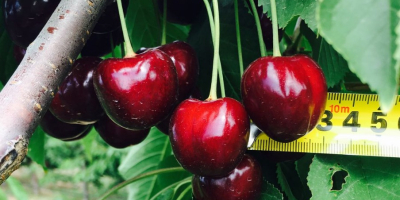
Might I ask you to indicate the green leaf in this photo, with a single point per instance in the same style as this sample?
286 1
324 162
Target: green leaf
397 53
145 27
200 39
17 189
368 177
36 147
153 153
362 31
287 9
87 143
290 181
269 192
303 167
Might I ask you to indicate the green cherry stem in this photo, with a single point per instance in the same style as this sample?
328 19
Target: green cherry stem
128 45
275 38
184 192
164 24
263 49
141 176
239 42
213 90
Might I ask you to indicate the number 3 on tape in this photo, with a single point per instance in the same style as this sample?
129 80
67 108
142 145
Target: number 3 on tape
352 124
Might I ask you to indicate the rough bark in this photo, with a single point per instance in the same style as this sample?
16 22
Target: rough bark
28 93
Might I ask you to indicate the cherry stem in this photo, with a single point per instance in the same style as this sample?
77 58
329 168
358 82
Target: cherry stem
239 42
216 61
263 49
164 26
141 176
128 45
212 28
275 38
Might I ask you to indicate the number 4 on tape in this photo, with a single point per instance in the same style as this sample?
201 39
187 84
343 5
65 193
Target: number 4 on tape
352 124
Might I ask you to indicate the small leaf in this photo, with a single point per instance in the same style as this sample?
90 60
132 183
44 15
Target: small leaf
287 9
269 192
362 31
367 177
17 189
36 149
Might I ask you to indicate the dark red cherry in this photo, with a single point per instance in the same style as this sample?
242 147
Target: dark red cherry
84 134
182 12
117 136
25 19
100 44
109 20
76 101
209 137
243 183
284 96
137 93
19 53
60 130
163 126
186 64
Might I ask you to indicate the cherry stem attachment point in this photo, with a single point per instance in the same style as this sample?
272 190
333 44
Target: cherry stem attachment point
263 49
128 45
275 38
164 24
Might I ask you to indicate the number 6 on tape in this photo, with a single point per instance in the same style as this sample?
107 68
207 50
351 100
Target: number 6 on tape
352 124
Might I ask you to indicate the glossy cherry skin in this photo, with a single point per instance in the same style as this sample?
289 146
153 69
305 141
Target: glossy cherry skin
186 64
84 134
60 130
163 126
137 93
19 53
76 101
243 183
182 12
209 138
25 19
284 96
117 136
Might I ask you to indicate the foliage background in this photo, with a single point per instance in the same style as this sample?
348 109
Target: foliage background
354 41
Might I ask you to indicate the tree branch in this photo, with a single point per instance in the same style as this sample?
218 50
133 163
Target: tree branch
28 93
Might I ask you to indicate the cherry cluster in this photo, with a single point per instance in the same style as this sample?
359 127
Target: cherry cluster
124 97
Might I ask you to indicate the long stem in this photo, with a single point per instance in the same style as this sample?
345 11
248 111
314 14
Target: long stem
275 38
186 190
212 28
263 49
129 49
164 26
213 90
239 42
141 176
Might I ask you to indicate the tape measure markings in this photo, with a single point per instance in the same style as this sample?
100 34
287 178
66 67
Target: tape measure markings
352 124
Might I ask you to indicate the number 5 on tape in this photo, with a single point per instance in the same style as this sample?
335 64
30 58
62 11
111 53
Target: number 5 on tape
352 124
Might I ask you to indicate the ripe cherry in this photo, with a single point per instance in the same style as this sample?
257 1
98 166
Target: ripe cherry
244 182
163 126
76 101
63 131
209 137
25 19
284 96
117 136
138 92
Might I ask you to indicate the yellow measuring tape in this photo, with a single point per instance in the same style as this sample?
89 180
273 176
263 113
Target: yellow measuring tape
352 124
